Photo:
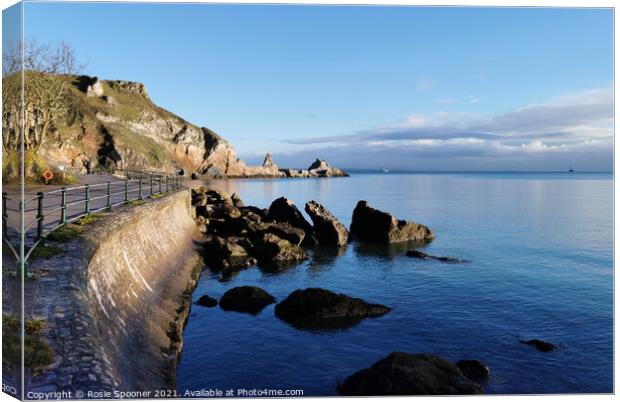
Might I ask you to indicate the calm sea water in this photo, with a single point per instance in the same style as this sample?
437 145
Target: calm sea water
541 266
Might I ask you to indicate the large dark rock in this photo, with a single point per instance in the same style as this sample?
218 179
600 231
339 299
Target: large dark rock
423 256
206 301
246 299
320 308
409 374
475 370
327 229
284 210
272 250
372 225
287 232
230 253
540 345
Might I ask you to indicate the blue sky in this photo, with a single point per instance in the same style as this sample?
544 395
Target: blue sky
414 88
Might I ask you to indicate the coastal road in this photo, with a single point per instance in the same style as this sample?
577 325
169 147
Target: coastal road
74 201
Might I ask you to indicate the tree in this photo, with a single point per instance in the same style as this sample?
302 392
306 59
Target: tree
47 73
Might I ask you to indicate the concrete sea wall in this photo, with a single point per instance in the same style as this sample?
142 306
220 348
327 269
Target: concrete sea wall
139 271
114 302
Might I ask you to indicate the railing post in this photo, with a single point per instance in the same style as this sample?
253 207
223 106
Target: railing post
140 189
63 205
5 216
159 180
151 176
109 194
126 191
40 217
167 182
87 199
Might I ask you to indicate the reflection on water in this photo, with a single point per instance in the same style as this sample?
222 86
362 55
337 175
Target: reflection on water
541 266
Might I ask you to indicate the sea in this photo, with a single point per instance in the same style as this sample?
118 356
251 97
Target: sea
539 248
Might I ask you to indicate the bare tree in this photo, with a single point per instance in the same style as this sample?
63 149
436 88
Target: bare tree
47 73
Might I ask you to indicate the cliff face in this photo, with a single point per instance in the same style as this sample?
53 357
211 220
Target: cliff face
114 124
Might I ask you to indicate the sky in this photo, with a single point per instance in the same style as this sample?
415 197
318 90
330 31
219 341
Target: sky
413 88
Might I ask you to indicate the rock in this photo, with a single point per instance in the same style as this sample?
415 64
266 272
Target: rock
423 256
540 345
95 89
320 168
327 229
272 250
268 162
284 210
475 370
409 374
372 225
236 200
214 172
129 87
230 253
320 308
263 214
246 299
206 301
295 173
287 232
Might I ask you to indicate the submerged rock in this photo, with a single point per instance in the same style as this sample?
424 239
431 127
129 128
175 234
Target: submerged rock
475 370
540 345
246 299
409 374
321 308
372 225
206 301
423 256
327 229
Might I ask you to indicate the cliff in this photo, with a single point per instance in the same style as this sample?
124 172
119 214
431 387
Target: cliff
114 124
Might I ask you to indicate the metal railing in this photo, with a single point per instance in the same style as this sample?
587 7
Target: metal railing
48 211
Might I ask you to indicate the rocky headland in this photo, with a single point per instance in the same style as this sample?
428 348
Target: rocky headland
105 125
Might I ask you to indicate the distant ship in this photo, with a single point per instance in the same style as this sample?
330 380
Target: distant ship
570 169
384 169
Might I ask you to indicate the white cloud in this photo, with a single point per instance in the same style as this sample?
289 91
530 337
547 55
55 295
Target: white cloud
573 127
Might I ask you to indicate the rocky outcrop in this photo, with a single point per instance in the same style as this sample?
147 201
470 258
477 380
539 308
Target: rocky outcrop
227 254
284 210
273 251
320 308
129 87
146 136
246 299
475 370
409 374
268 162
319 168
327 229
540 345
371 225
240 237
423 256
95 89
